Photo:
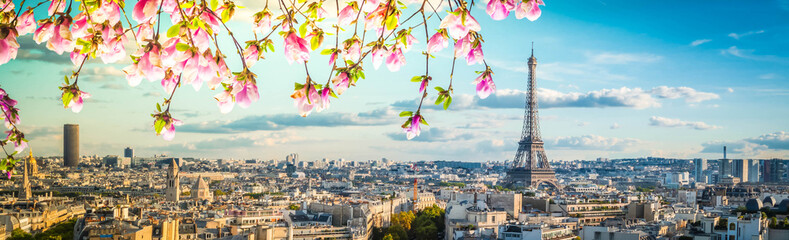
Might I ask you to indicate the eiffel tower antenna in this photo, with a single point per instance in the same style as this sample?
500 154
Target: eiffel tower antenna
530 167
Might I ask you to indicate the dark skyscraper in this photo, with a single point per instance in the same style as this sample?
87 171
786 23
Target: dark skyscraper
128 152
70 145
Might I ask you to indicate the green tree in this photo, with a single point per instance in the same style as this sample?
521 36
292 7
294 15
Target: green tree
388 237
294 207
397 232
18 234
403 219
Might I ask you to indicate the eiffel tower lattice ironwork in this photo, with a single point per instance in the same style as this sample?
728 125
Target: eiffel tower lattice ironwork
530 167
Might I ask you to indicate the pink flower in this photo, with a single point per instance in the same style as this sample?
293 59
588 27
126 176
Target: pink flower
497 10
262 22
306 99
201 39
150 63
251 55
412 129
353 50
423 85
8 47
56 6
438 41
80 27
208 17
333 58
170 83
379 55
207 70
485 85
20 146
26 24
144 10
324 101
457 27
133 74
475 55
6 6
113 50
296 49
61 37
170 54
76 101
246 93
408 40
529 9
395 60
76 57
341 82
348 14
144 33
225 101
462 46
44 32
109 11
168 132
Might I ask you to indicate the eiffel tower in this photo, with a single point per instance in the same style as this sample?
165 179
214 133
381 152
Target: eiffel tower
530 167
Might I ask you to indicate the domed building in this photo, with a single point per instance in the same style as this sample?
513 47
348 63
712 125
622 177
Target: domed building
769 201
753 204
783 206
200 190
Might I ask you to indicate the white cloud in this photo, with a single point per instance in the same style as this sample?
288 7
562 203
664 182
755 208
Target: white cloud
776 140
768 76
673 122
615 126
740 35
689 94
731 90
583 124
699 42
592 142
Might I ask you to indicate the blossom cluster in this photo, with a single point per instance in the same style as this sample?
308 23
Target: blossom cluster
185 49
10 119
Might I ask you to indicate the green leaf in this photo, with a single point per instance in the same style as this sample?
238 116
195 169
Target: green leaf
214 3
188 4
440 89
416 79
182 47
270 46
174 30
225 16
315 42
439 99
447 102
303 29
423 121
158 107
406 113
333 94
65 78
391 23
67 98
158 125
327 51
298 86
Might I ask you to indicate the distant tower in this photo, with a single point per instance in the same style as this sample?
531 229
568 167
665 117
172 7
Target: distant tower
25 192
530 166
70 145
173 191
32 164
200 190
128 152
701 167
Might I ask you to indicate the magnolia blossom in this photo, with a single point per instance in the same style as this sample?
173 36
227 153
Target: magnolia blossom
43 33
144 33
423 85
246 93
341 82
145 10
8 47
333 58
251 55
57 6
395 60
113 50
379 55
412 130
61 37
437 42
305 100
353 50
485 85
497 10
296 49
348 14
26 23
109 11
168 132
80 27
76 57
408 41
475 55
76 100
262 22
222 73
529 9
169 83
225 101
463 46
150 64
324 101
201 39
457 27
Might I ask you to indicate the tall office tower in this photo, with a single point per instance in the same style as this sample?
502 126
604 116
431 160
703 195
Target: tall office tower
701 166
774 170
173 191
739 169
292 158
724 168
128 152
70 145
754 174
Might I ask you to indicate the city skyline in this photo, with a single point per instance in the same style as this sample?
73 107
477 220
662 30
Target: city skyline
632 88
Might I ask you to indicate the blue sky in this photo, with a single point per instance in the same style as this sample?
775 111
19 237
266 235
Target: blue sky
616 78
